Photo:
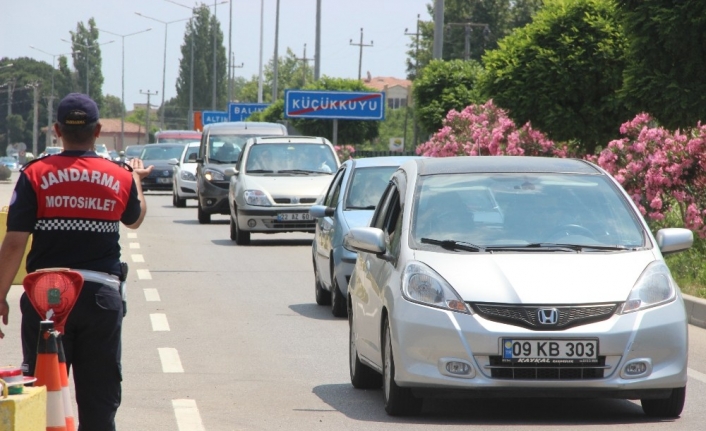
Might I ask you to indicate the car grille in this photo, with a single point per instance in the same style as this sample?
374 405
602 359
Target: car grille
531 371
527 316
305 225
289 200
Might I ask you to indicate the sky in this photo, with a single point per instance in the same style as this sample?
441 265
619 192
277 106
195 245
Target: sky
43 23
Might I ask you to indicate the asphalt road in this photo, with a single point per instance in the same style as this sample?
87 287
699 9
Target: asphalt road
223 337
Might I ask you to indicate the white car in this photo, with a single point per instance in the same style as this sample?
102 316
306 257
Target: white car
275 182
102 151
184 185
549 284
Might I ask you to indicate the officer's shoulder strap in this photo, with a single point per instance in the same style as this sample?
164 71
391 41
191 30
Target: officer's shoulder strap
26 165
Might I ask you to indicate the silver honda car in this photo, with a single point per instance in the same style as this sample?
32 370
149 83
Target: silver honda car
517 277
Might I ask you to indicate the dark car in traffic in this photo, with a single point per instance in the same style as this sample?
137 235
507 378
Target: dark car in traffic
162 157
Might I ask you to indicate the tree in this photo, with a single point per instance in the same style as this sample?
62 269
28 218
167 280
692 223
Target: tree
488 21
563 72
199 31
349 131
666 59
397 124
87 60
112 107
291 73
443 86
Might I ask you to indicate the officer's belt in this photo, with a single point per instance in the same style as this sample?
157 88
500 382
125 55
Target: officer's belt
109 280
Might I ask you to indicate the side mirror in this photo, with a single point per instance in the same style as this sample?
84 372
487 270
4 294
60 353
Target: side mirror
173 161
320 211
674 240
230 171
199 160
365 239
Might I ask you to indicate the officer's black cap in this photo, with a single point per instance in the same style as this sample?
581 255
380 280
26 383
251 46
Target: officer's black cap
77 109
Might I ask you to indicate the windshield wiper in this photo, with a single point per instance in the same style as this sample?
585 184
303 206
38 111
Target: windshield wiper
549 246
259 171
300 171
369 207
450 244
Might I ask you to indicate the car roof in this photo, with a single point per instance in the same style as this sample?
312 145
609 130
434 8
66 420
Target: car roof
365 162
240 126
288 139
501 164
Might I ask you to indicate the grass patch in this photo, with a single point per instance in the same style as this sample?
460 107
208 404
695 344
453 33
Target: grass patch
687 267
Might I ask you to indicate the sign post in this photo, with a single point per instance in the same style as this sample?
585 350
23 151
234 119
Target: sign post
208 117
334 105
241 111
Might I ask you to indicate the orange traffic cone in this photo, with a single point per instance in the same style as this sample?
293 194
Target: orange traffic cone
47 374
65 390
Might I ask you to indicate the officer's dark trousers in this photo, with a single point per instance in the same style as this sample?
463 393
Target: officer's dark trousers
92 345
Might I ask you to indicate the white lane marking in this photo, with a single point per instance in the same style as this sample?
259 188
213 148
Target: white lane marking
137 258
187 415
152 295
134 245
159 322
132 235
144 274
170 360
696 375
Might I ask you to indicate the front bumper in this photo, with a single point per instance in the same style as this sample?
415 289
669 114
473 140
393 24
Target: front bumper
186 189
213 196
426 339
265 219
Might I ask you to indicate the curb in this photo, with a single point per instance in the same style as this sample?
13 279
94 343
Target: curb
695 310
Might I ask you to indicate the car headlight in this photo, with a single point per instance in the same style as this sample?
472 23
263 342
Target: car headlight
423 285
187 176
654 287
213 175
257 198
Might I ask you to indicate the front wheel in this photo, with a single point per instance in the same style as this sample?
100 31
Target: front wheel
399 401
204 217
362 376
176 200
338 301
238 235
665 407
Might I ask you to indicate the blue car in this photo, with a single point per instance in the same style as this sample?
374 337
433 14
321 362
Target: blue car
349 202
9 162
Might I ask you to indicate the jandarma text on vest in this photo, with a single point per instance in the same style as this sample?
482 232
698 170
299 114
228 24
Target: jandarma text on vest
76 175
80 202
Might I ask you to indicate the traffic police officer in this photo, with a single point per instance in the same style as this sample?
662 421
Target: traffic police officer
72 203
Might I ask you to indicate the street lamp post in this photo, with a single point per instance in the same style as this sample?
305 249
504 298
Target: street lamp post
50 107
164 64
191 61
95 45
122 111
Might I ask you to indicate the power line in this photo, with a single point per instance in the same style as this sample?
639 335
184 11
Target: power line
361 45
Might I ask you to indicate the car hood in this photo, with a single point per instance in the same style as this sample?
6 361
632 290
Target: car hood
357 218
296 185
540 278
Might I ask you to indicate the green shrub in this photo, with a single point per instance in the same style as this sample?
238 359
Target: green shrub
5 173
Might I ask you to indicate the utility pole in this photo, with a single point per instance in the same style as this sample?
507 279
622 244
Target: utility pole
50 99
416 35
35 131
438 49
147 126
231 74
317 46
262 26
361 45
10 89
468 27
306 64
230 52
275 66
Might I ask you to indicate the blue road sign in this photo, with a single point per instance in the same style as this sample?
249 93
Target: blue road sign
241 111
334 105
208 117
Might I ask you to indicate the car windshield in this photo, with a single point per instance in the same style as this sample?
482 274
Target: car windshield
133 151
100 148
226 148
53 150
191 154
291 159
161 152
176 140
524 210
366 186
